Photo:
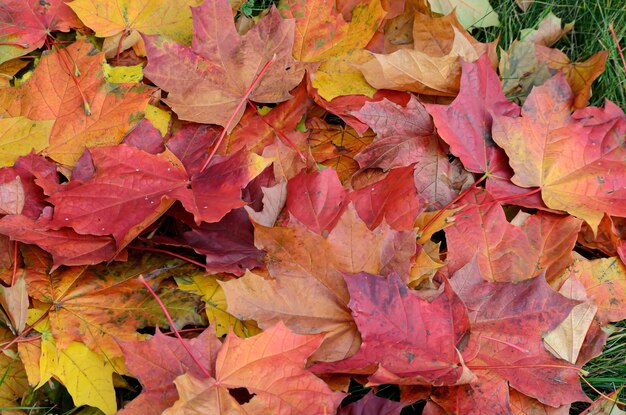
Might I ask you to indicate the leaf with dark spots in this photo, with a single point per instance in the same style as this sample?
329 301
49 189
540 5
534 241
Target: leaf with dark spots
413 342
466 123
508 322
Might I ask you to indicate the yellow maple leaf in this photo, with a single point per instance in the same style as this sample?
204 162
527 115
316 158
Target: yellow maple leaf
124 18
20 135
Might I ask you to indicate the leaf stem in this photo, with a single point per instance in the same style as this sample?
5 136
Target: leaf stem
456 199
519 196
511 345
22 340
119 46
72 74
524 367
21 45
608 398
619 49
256 81
173 327
27 330
14 263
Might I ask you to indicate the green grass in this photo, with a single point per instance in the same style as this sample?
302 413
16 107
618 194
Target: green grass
591 34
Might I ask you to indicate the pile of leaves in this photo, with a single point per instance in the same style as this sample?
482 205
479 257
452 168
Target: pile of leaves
207 212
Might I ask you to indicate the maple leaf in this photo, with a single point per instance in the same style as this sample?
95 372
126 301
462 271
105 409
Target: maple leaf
24 25
92 305
404 134
317 200
88 113
220 65
217 190
466 123
121 18
87 375
343 106
579 171
322 32
228 244
424 69
507 321
413 342
126 194
12 197
251 364
524 405
157 362
513 252
579 75
301 261
394 198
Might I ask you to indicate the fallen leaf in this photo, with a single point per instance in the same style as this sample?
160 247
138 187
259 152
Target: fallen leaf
578 171
103 118
524 405
210 94
157 362
404 134
299 262
548 31
371 404
317 200
127 193
417 71
605 282
12 197
579 75
466 123
274 199
24 25
505 252
336 146
322 32
508 321
412 343
251 364
394 199
15 383
89 308
121 18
